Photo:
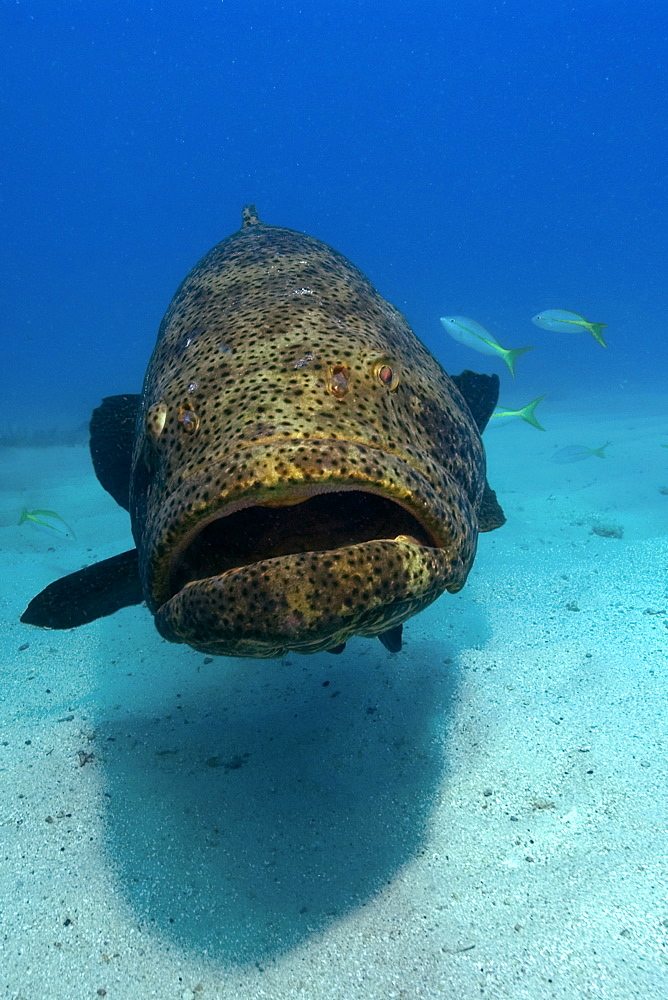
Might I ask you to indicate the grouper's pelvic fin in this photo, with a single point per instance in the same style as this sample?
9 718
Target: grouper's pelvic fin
94 592
112 436
249 216
392 638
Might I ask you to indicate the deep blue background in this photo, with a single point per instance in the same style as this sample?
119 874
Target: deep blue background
487 159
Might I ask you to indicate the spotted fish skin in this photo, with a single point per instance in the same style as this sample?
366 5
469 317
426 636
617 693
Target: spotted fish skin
267 378
303 470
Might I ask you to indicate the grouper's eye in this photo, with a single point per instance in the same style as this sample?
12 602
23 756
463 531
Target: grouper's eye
387 376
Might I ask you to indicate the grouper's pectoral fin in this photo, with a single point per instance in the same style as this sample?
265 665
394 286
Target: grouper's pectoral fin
481 393
112 437
490 513
90 593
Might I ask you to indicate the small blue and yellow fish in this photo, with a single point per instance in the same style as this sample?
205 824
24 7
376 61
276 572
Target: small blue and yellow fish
503 416
563 321
576 452
471 334
44 518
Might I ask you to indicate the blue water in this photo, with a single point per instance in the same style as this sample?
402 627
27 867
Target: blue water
488 160
483 159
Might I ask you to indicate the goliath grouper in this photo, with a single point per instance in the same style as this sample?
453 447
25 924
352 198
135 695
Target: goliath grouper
298 469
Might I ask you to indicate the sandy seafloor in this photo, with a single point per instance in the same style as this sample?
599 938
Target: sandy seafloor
483 814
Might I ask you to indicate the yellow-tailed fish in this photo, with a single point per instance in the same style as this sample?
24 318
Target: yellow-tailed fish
563 321
44 518
527 413
471 334
577 452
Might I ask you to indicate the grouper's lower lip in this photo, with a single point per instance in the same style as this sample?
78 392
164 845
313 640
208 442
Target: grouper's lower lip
306 601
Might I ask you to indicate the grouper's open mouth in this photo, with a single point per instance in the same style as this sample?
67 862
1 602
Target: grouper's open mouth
321 522
305 570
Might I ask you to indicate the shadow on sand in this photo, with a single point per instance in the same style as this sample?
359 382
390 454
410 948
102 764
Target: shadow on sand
251 814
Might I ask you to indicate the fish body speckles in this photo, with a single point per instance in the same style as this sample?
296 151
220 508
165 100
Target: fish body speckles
301 468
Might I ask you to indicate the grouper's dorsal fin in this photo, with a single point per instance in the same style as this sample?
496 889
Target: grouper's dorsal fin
249 216
90 593
481 392
112 436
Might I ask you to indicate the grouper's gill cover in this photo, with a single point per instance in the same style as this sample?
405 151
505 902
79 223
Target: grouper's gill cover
303 470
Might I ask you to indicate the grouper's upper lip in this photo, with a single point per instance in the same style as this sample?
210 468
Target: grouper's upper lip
376 495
